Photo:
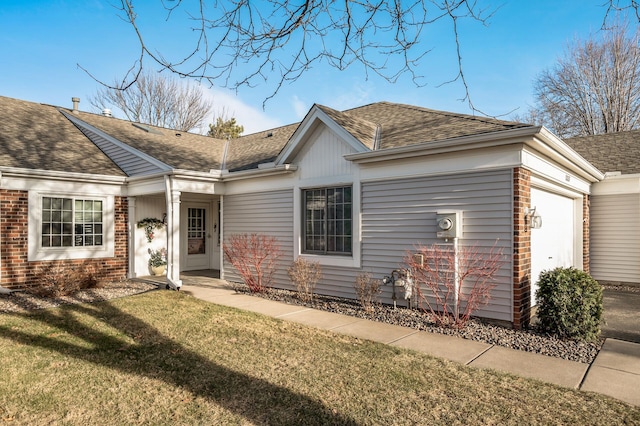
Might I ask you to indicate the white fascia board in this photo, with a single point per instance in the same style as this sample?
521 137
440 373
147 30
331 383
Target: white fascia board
617 185
16 172
149 187
186 181
120 144
314 117
537 137
553 147
476 160
546 169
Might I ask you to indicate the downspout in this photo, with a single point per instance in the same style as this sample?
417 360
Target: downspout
172 283
2 289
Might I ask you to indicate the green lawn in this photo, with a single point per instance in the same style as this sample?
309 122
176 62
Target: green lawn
167 358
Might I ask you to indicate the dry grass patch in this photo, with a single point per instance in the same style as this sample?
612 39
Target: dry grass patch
167 358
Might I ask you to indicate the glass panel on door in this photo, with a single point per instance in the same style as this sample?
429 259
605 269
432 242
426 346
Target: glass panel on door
196 231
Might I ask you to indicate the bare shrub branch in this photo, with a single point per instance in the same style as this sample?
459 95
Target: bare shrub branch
367 290
254 256
452 294
305 274
57 279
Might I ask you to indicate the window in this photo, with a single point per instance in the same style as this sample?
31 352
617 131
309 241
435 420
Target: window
327 220
68 222
196 231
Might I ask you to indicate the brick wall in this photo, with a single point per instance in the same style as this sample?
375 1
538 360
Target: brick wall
521 249
17 272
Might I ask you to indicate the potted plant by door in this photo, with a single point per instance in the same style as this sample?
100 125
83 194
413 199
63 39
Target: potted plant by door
158 261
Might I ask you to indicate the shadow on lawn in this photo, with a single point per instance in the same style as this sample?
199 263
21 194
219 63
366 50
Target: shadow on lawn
156 356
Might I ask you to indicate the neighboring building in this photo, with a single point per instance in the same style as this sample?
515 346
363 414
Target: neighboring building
615 205
353 190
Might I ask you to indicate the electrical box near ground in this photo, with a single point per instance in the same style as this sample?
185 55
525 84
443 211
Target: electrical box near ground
449 224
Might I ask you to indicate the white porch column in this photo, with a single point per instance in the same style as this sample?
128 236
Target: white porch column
173 235
132 236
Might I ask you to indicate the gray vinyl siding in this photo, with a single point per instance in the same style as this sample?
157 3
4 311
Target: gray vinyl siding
398 214
615 237
269 213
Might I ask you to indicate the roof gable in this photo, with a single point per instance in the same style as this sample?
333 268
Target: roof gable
321 115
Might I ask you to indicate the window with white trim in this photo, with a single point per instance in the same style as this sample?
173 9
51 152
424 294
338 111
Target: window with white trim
71 222
71 225
328 220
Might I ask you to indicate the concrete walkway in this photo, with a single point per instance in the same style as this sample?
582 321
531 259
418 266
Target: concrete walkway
615 371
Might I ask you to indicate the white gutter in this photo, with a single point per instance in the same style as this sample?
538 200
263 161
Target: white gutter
62 176
536 137
213 174
248 174
551 145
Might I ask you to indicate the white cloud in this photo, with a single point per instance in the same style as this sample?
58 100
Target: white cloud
299 106
358 95
227 104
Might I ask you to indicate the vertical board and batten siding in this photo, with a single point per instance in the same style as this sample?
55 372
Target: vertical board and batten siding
147 207
398 214
269 213
322 156
615 237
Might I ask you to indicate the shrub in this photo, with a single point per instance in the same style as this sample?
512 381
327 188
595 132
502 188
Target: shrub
451 299
569 304
254 256
55 280
367 290
305 275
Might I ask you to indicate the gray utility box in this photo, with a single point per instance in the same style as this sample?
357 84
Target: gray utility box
449 224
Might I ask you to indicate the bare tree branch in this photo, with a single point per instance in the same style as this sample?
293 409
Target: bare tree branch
594 89
279 40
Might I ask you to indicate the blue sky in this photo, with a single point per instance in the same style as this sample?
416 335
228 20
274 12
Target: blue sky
42 43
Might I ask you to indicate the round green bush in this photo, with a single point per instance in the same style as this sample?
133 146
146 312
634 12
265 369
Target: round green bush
569 304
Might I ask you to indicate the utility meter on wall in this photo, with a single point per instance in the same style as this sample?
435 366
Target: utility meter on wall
448 224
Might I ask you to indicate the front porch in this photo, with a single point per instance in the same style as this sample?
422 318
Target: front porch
209 278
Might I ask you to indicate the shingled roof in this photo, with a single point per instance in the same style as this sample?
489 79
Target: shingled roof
41 137
403 125
36 136
179 150
610 152
246 152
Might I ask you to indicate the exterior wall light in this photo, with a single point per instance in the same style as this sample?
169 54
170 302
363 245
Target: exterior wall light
533 218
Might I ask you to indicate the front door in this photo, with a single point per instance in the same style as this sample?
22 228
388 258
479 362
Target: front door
197 241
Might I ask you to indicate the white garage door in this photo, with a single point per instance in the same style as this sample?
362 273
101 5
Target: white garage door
553 244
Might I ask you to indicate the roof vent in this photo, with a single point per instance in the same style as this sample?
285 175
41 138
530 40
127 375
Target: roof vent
75 101
106 112
146 128
269 134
